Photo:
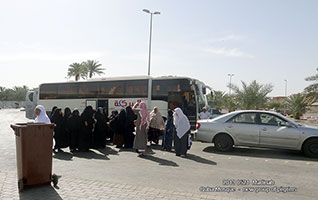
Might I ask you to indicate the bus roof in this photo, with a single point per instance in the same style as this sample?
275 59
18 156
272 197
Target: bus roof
137 78
142 77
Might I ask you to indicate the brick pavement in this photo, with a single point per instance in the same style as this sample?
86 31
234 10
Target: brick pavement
77 189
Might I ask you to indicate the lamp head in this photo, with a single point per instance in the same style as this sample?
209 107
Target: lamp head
145 10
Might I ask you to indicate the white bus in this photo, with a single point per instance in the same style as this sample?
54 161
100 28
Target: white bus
116 93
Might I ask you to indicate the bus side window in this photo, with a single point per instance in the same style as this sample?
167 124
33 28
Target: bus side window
48 91
136 88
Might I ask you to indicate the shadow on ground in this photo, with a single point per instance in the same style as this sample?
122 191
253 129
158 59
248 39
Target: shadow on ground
161 161
263 153
91 155
200 159
108 151
189 156
63 155
40 192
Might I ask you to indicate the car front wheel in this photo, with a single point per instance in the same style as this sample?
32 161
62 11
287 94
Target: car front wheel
223 143
311 148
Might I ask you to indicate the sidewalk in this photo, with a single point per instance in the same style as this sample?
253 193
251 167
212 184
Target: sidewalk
77 189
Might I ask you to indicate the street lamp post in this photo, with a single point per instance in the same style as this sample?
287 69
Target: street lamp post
285 110
285 88
149 56
230 75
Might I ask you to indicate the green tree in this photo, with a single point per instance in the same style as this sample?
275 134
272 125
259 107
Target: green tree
252 96
8 95
217 100
77 71
15 94
93 67
278 106
311 91
2 89
297 105
20 93
230 102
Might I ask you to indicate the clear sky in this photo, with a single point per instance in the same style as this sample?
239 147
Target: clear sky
268 41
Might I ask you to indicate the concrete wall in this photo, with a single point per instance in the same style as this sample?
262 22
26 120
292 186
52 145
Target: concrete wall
12 104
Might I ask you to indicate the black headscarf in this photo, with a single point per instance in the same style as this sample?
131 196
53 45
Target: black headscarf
88 112
113 115
75 113
57 116
120 122
87 116
131 117
170 119
74 121
67 112
52 112
99 115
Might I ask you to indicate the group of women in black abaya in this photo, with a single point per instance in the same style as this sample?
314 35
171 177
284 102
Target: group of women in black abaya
91 128
123 128
79 132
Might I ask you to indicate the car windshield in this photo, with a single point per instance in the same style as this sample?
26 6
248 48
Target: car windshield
288 119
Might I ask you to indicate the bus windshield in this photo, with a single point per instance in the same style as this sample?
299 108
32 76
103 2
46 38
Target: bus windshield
201 98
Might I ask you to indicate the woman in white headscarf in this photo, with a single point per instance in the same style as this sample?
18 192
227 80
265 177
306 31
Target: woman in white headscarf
156 124
182 124
41 116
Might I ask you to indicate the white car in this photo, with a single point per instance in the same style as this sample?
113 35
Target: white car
256 128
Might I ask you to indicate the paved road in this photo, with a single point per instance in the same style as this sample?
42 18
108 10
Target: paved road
163 175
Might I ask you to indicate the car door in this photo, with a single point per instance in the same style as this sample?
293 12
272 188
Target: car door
275 132
244 129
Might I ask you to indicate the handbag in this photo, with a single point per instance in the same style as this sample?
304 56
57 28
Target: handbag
189 141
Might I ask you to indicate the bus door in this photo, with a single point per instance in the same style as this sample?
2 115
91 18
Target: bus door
30 104
185 101
103 103
174 100
92 103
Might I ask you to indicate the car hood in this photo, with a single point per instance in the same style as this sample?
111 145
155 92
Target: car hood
309 129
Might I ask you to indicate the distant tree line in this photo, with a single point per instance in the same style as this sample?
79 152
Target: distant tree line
13 94
255 96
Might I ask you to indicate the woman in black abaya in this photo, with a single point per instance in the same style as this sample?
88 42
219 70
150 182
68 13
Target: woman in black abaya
100 129
65 136
74 125
129 127
87 125
57 119
119 124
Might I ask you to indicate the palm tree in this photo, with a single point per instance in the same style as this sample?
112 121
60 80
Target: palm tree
311 91
77 70
2 89
252 96
20 93
296 105
93 67
217 101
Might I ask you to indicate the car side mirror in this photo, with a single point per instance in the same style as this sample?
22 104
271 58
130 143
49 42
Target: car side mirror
289 125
